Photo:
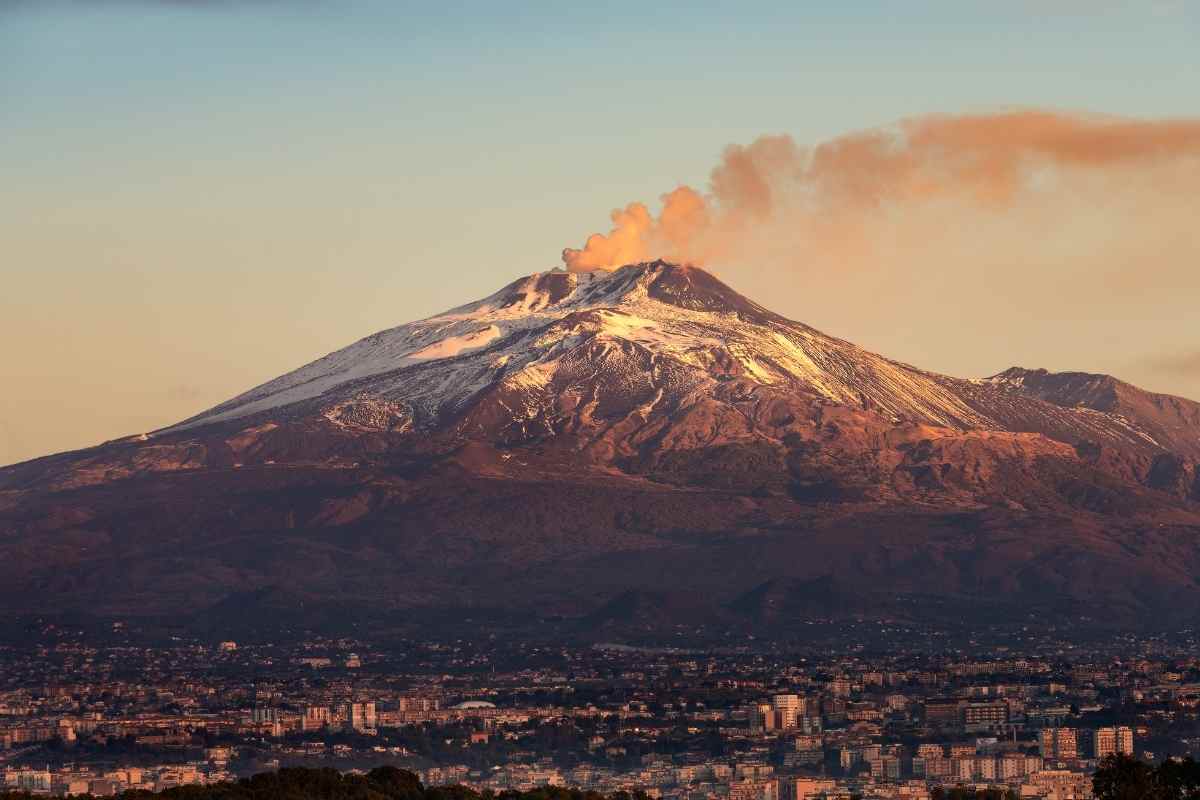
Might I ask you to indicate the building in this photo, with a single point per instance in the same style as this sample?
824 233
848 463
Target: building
1062 784
792 704
784 712
315 718
28 780
316 662
932 767
805 788
1111 741
1059 743
418 703
808 741
263 715
963 750
1125 740
886 767
754 790
361 717
1016 765
985 715
942 712
930 750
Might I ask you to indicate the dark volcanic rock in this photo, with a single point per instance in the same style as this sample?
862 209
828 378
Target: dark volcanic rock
633 451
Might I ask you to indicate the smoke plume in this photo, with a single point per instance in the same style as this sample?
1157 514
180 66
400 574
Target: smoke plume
848 198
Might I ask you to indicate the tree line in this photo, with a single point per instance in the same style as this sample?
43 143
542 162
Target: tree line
1124 778
381 783
1117 778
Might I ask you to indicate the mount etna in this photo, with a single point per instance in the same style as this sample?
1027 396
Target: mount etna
609 452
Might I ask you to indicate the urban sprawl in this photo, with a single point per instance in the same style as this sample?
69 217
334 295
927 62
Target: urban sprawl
747 722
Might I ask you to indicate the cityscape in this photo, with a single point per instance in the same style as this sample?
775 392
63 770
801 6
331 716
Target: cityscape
749 723
623 400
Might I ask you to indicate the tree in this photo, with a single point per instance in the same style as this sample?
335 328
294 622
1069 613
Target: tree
454 792
1179 780
397 783
1123 778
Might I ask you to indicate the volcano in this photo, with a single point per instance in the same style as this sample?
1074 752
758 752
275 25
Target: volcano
636 449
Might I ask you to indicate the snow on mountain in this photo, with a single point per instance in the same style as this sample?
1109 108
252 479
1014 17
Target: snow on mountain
527 333
1161 420
573 437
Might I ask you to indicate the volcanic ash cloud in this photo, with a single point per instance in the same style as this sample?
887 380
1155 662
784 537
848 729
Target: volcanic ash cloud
775 201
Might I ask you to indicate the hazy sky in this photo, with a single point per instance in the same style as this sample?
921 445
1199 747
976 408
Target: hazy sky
198 196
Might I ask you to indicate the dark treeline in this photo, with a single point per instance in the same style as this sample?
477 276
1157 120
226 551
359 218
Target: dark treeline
1125 778
963 793
382 783
1118 778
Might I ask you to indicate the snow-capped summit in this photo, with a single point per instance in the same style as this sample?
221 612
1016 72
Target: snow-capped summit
531 334
574 438
557 350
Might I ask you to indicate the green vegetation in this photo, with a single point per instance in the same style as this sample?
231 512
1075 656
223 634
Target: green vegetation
382 783
1125 778
963 793
1118 778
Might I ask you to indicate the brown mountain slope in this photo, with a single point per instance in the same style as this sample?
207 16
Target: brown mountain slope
1172 422
615 448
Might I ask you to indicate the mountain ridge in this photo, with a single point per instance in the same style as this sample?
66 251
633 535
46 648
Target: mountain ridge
583 435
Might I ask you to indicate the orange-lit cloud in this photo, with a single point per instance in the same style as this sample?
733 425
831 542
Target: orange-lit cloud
773 196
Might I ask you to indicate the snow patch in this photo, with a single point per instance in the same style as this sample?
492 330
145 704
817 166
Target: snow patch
456 345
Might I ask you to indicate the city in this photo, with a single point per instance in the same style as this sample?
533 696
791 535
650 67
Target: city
748 723
623 400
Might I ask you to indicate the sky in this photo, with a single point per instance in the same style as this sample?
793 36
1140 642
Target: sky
199 195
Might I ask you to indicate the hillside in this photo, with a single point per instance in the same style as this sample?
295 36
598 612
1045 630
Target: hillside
623 451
